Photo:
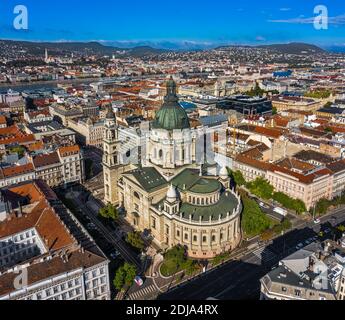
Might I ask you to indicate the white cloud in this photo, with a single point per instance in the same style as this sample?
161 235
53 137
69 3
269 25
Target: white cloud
338 20
260 38
285 9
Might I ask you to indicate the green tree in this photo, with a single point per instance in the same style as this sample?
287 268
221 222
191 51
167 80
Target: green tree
174 260
109 212
318 94
237 177
191 267
289 203
254 221
256 91
261 188
322 206
135 240
274 111
19 150
124 276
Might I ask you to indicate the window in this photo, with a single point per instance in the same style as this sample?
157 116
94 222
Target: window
153 223
284 289
186 236
178 233
195 238
204 239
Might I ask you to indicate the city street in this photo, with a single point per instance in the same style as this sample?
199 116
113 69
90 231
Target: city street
239 279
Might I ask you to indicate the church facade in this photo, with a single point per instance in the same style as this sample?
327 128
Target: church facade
170 193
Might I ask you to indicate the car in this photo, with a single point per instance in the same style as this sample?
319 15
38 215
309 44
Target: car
308 241
299 246
317 221
315 238
263 205
328 230
139 281
115 254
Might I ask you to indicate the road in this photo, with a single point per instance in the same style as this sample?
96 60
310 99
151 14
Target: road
108 233
240 279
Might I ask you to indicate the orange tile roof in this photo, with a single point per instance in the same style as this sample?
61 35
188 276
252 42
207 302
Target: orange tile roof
3 120
274 133
15 171
69 150
41 216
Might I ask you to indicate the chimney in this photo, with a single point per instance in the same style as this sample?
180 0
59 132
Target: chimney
20 210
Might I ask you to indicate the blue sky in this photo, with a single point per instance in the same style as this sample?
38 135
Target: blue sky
209 21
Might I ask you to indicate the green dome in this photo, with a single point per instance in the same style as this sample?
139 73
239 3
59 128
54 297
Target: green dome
171 115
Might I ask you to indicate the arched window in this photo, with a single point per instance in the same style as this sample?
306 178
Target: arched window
204 239
160 154
195 238
213 238
186 236
136 195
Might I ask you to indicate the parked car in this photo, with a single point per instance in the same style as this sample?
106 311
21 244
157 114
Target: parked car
115 254
139 281
299 246
263 205
317 221
280 211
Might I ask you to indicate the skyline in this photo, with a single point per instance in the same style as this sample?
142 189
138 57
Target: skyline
192 24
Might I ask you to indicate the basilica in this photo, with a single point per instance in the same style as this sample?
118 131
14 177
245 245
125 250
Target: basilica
170 192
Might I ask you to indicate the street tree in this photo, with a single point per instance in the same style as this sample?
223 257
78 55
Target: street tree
124 276
135 240
109 212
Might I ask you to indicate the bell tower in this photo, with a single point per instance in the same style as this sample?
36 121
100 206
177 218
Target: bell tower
111 160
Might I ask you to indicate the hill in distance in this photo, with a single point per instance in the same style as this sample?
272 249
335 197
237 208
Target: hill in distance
289 48
294 48
63 48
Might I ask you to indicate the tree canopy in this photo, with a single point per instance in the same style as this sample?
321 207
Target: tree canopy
254 221
135 240
174 260
237 177
261 188
318 94
290 203
109 212
124 276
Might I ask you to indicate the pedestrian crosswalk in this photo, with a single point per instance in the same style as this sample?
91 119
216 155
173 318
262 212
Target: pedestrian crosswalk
265 255
144 293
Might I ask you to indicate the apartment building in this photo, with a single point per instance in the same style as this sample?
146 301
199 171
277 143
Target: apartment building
315 272
16 174
292 177
308 187
45 246
89 133
72 164
64 166
48 168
